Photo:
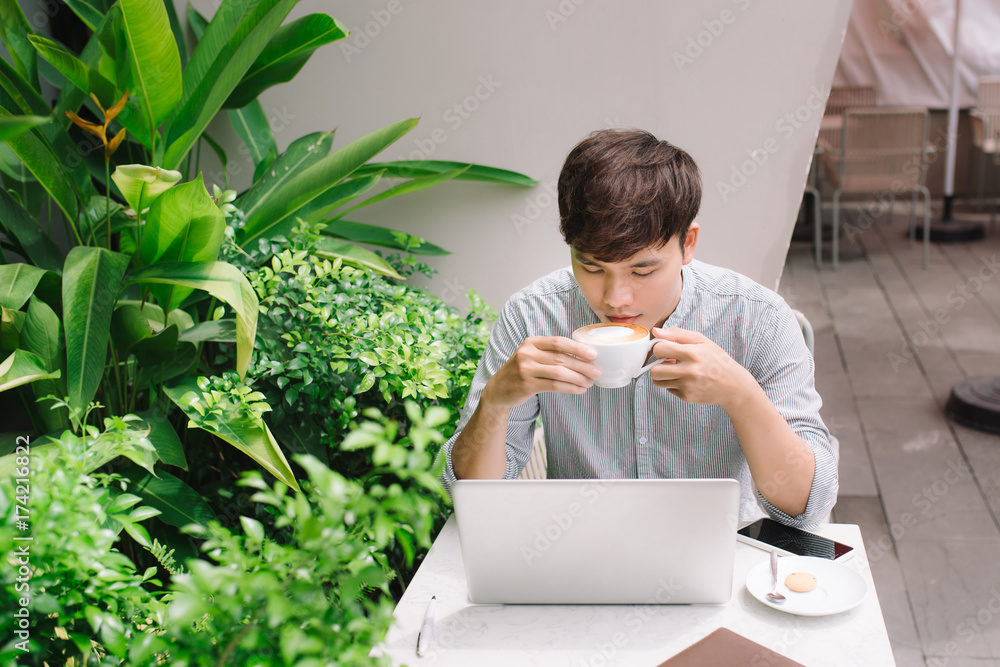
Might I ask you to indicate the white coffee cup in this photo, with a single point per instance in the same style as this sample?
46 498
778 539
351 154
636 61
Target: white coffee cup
621 349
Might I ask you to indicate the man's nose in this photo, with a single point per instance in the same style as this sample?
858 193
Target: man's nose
617 293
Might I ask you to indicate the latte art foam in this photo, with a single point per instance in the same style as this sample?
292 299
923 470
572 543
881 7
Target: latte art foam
609 333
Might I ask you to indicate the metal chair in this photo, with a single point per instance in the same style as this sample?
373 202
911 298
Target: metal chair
985 117
840 99
884 152
538 463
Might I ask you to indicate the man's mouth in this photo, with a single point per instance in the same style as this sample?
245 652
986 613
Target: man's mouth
623 320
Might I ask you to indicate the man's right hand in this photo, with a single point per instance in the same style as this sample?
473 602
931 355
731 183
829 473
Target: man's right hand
542 363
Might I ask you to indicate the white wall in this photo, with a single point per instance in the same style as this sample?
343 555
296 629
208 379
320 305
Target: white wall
516 84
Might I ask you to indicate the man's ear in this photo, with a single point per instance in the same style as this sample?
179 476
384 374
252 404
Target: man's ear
691 242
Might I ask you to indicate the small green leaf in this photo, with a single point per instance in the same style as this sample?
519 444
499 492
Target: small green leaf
253 528
18 283
21 368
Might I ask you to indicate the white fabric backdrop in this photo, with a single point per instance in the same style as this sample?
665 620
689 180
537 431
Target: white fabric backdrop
904 49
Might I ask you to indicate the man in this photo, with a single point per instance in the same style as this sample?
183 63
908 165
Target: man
734 397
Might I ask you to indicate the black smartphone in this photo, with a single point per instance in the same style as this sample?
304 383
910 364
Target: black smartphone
768 534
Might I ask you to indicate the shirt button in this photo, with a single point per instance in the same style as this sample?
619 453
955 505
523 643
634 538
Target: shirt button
642 441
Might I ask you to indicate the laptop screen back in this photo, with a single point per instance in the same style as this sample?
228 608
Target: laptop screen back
598 541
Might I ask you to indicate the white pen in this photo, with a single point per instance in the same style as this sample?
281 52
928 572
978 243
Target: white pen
426 634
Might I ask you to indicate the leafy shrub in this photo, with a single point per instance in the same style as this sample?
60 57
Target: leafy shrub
316 594
322 596
334 339
86 599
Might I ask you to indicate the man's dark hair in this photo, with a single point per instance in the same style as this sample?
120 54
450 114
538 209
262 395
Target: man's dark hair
621 191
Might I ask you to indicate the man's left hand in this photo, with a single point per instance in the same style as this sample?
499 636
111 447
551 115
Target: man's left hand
697 370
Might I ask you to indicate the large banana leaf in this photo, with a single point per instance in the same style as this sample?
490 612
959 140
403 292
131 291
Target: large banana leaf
211 82
253 438
198 25
86 12
92 278
129 325
223 281
14 31
47 151
42 335
11 322
407 187
41 160
18 283
360 232
164 438
334 197
14 126
153 71
98 55
252 127
82 76
306 185
178 503
178 30
183 225
286 54
22 367
473 172
301 154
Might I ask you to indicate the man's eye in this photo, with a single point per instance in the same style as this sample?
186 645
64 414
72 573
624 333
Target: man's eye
641 275
593 271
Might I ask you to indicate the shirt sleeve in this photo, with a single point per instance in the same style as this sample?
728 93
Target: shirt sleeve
507 335
784 368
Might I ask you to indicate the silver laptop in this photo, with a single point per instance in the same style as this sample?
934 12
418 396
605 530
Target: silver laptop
567 541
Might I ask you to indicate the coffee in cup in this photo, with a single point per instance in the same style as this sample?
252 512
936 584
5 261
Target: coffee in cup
604 333
621 349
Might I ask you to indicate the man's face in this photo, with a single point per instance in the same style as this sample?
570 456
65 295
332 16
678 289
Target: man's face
643 290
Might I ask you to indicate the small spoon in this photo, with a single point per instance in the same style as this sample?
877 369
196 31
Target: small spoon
774 595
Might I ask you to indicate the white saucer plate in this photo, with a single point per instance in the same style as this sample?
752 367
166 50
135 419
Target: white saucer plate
838 587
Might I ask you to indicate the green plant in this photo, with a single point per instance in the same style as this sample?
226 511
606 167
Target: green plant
335 339
85 599
321 595
310 587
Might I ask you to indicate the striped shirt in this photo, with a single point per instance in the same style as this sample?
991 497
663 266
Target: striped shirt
643 431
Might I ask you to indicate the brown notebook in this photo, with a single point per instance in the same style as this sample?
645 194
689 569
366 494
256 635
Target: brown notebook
725 648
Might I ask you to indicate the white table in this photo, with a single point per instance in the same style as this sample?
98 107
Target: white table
602 635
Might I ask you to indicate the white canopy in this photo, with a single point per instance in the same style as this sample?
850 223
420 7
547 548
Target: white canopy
904 49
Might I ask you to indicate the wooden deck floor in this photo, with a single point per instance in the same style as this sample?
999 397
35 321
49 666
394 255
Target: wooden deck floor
925 491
